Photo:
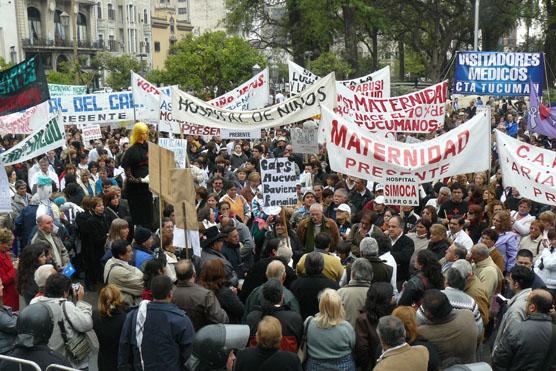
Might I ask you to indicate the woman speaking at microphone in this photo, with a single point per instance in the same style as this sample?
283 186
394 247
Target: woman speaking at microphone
135 162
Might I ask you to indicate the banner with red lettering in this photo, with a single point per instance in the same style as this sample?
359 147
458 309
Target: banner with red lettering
361 154
25 122
376 84
530 169
422 111
147 98
252 94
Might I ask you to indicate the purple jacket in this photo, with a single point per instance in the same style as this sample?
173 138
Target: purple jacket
507 244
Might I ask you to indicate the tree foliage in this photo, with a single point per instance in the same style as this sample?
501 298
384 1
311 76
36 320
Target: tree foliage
119 68
330 62
4 65
70 73
213 60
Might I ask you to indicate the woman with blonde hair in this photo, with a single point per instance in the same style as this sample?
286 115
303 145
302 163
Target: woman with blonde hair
119 230
330 338
108 321
409 318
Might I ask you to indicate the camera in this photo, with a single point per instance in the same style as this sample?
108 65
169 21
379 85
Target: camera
75 287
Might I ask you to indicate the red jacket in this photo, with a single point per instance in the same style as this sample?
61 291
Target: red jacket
7 274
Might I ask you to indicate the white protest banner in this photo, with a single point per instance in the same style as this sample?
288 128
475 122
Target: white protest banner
50 136
57 90
401 190
252 94
462 150
91 132
25 122
5 196
305 140
94 108
240 134
147 98
190 109
178 146
376 84
422 111
279 182
530 169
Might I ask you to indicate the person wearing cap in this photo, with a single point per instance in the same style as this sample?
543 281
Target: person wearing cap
378 206
278 151
343 219
142 245
212 249
46 171
316 223
309 198
34 328
453 332
340 197
360 195
20 199
41 275
135 162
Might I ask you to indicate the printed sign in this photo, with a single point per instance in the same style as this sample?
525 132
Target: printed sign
178 146
528 168
401 190
279 182
94 108
376 84
422 111
495 73
240 134
50 136
57 89
147 97
464 149
25 122
305 140
23 86
5 196
91 132
188 108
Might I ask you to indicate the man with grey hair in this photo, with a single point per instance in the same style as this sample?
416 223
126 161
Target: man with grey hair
382 272
397 354
486 269
45 235
444 194
340 197
307 288
309 227
455 252
354 293
474 288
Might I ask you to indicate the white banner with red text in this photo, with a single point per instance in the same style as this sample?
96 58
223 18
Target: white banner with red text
188 108
530 169
252 94
351 151
422 111
376 84
25 122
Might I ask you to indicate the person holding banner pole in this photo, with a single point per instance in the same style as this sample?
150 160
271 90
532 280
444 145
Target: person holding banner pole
135 161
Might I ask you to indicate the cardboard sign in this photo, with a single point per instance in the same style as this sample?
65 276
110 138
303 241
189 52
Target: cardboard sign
5 196
305 140
401 190
183 199
161 162
496 73
91 132
279 182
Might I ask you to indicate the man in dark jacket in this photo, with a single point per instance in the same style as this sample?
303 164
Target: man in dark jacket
527 345
212 249
382 272
166 337
272 305
200 304
359 196
307 288
402 249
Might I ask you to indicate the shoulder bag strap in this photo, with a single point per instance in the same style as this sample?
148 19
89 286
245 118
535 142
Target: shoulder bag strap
61 324
539 245
110 271
66 316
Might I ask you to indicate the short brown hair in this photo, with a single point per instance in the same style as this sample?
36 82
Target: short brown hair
109 299
269 332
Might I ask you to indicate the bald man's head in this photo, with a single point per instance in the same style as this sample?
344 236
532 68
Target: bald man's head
185 270
539 301
276 269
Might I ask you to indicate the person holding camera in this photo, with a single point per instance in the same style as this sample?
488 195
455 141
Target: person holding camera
71 321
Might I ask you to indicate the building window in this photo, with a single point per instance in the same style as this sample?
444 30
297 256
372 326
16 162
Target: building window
147 45
99 10
157 46
35 27
111 12
112 44
182 10
145 16
59 29
121 11
81 28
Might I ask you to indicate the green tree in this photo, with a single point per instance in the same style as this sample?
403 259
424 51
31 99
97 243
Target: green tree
330 62
70 73
119 68
498 17
4 65
211 61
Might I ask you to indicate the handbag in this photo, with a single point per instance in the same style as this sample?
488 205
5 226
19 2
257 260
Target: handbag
302 351
78 347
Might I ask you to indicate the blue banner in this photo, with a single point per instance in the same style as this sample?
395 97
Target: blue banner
501 74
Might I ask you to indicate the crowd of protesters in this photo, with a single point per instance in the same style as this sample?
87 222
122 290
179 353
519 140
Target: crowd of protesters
338 281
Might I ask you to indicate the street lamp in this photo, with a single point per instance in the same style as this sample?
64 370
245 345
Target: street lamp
256 69
65 19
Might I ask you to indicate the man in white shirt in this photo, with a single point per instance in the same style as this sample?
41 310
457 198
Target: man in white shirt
444 195
457 234
44 170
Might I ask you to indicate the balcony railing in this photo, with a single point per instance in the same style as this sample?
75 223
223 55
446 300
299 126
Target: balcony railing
60 43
